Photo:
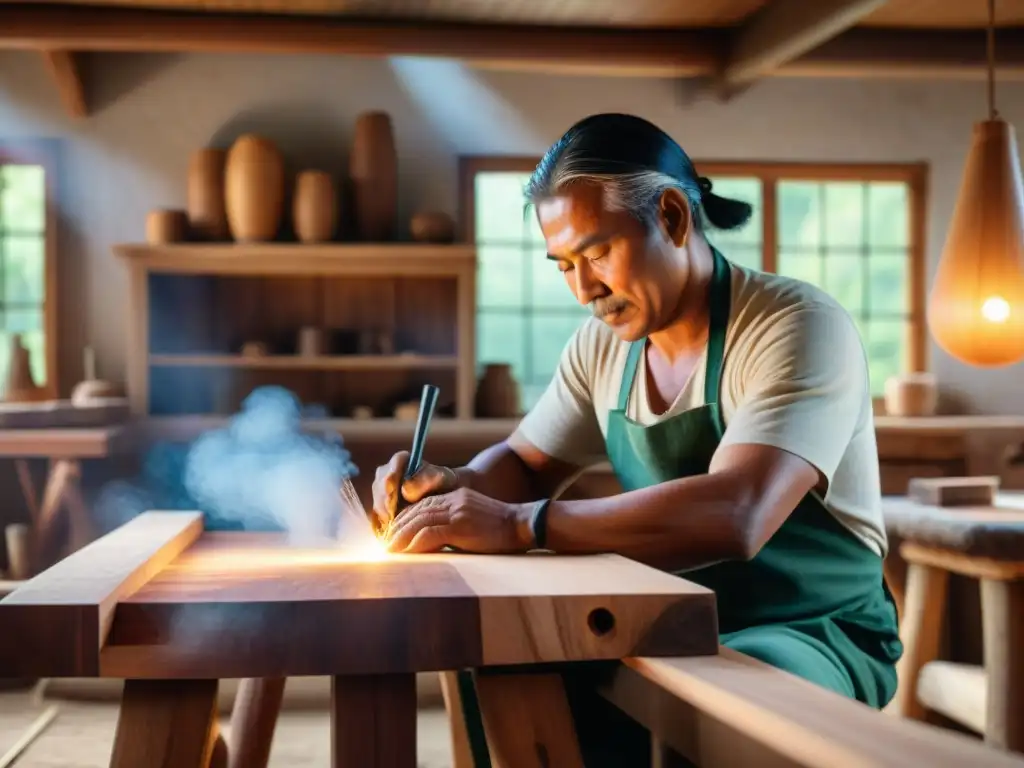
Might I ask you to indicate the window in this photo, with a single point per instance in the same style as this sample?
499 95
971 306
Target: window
26 264
853 230
525 311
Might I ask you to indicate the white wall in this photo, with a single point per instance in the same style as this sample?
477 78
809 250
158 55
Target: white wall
152 111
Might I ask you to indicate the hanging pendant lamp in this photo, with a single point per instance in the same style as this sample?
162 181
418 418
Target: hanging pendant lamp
976 305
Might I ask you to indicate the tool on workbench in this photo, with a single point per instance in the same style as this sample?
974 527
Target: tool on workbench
428 401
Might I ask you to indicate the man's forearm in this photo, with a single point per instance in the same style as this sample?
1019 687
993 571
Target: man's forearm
675 525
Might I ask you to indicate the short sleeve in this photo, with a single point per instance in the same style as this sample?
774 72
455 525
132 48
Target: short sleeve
563 424
805 386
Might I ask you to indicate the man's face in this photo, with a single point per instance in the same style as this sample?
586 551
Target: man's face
630 275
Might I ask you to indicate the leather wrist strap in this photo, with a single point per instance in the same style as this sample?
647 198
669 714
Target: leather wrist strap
539 524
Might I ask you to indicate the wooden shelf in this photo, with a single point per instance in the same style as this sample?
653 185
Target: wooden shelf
188 427
297 259
307 363
214 296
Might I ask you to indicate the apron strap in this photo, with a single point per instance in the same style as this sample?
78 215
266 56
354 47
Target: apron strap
629 371
718 322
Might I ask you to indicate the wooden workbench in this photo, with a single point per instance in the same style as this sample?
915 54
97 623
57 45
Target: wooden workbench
65 449
172 609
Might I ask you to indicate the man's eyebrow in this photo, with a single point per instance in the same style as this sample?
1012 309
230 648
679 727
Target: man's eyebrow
582 245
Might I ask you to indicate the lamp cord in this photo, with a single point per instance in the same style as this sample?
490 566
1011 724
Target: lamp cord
993 113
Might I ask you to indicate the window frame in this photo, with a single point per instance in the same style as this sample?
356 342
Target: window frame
45 153
914 175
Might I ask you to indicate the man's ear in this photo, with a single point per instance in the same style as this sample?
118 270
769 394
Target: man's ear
674 216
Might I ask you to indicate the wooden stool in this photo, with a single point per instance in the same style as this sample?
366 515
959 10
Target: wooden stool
984 543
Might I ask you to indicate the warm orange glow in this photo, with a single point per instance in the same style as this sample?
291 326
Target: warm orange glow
367 550
976 306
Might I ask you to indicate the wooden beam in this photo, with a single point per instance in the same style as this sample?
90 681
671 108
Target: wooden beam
665 53
785 30
895 53
857 53
66 70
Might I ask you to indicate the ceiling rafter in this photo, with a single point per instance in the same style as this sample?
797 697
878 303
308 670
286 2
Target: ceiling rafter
817 49
782 32
66 70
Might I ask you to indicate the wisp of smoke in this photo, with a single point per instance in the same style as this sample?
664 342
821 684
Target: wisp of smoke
261 471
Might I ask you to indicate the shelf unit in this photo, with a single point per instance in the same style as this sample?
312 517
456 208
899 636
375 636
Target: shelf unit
192 306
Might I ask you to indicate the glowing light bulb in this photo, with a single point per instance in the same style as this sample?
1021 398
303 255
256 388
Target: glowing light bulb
995 309
976 305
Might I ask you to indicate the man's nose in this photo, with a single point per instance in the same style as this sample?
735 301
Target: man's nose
587 287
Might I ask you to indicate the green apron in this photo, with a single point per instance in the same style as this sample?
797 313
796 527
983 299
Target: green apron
813 601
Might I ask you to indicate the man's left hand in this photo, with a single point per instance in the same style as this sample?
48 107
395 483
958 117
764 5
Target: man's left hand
463 519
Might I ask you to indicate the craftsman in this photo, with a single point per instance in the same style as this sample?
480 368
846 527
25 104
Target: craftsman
733 405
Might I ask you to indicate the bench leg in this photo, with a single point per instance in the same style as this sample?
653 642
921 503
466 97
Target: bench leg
373 721
1002 606
253 720
166 722
462 752
527 720
921 633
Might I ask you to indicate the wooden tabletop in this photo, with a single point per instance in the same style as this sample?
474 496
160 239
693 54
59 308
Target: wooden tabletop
996 532
47 443
161 598
949 425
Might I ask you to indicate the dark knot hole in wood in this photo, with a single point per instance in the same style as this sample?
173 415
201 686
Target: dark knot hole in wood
601 621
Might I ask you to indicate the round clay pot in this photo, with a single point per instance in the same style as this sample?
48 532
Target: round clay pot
497 393
166 226
207 217
254 189
373 171
432 227
314 207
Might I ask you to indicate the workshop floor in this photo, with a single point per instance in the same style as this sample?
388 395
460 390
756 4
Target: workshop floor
82 735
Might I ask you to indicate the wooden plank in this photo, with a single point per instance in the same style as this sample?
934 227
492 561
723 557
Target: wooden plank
716 13
664 52
255 605
296 259
730 709
55 624
689 52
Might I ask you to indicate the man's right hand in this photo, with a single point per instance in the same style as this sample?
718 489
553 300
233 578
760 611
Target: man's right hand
388 482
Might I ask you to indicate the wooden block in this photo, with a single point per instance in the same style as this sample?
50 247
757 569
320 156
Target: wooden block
954 491
260 605
55 624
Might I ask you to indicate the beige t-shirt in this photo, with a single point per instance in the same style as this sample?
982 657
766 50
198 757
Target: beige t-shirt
795 376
